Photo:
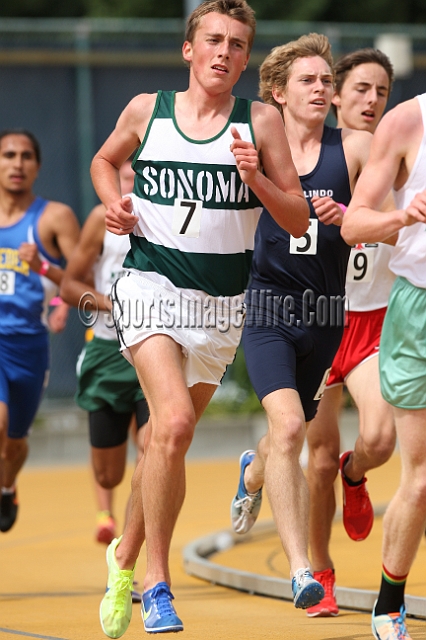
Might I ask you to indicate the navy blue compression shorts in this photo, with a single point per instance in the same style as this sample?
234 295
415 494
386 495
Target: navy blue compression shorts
289 355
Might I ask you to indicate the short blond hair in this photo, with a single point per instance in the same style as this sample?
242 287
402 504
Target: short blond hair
275 69
236 9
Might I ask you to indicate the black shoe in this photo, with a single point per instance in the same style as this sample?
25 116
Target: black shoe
8 511
136 596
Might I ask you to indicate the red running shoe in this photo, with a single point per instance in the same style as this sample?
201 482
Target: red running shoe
328 605
358 514
105 527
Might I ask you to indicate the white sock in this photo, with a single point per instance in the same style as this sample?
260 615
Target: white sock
7 491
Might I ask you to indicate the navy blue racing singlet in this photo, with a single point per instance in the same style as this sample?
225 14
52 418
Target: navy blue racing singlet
318 261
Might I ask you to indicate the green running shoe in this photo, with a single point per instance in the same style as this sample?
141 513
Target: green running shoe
116 607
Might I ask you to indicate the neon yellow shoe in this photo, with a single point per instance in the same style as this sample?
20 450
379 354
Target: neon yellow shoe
116 607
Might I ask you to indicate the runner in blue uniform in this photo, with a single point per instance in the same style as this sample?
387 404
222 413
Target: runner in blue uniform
295 301
34 235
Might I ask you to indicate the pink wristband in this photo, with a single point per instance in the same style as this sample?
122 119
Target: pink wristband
342 206
44 268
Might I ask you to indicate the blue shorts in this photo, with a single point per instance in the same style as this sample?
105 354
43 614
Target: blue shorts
24 363
283 355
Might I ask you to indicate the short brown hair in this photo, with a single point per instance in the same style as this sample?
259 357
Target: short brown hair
275 69
346 63
236 9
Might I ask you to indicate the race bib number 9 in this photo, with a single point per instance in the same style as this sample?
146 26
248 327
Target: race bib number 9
361 263
187 218
307 244
7 283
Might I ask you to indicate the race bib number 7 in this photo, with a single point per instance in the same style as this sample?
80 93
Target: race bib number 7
307 244
7 283
187 218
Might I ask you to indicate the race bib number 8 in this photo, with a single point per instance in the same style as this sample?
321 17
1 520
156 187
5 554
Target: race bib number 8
187 218
7 283
361 263
307 244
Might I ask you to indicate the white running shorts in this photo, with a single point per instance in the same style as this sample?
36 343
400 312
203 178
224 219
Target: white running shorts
207 328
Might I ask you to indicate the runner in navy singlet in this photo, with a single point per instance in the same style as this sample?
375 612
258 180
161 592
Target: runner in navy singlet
294 303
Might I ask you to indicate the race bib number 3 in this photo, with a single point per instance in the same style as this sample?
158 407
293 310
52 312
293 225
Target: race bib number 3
361 263
187 218
7 283
307 244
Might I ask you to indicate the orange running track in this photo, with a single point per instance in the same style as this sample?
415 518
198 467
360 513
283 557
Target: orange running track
53 573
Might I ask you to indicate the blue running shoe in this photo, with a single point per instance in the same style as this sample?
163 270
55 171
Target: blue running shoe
307 591
245 506
158 613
